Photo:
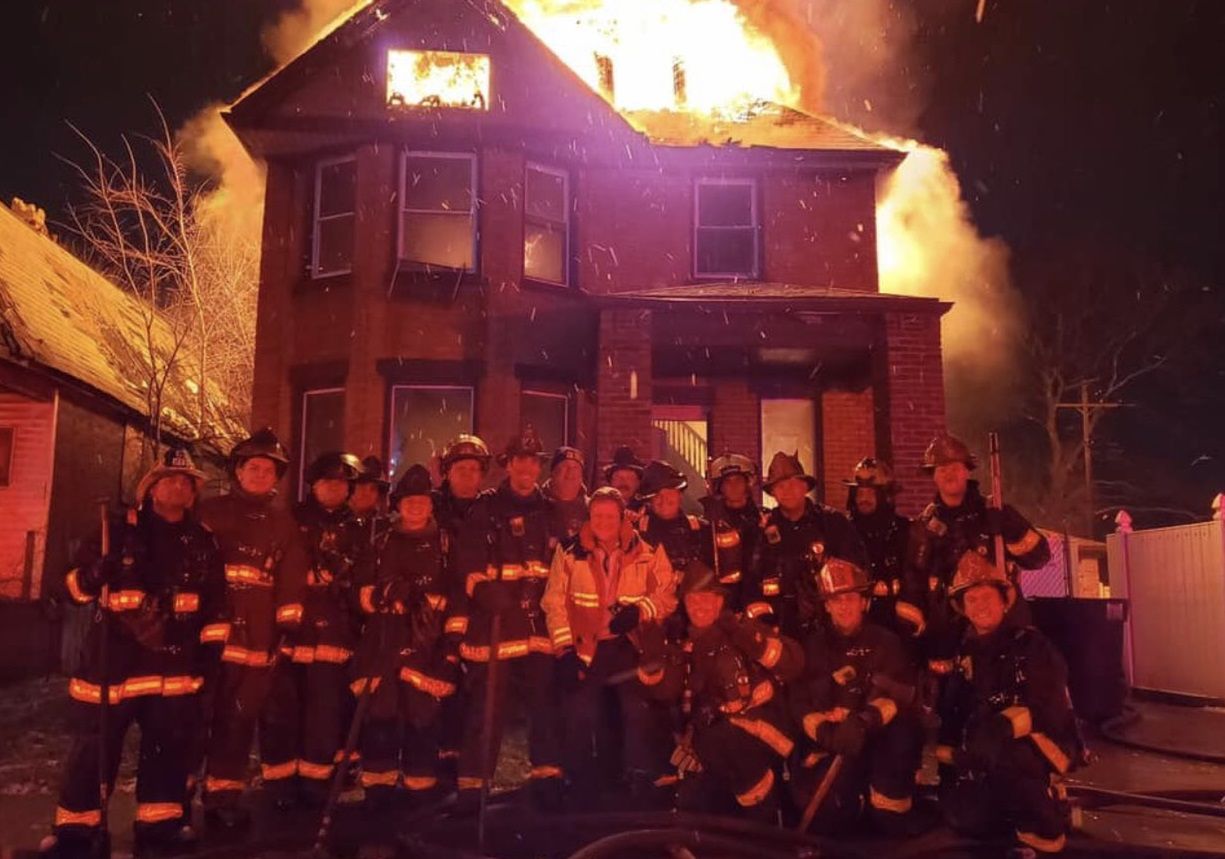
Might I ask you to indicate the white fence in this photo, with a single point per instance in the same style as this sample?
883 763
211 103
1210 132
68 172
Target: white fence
1174 581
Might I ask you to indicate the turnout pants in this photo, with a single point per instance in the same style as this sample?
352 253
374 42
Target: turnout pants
1015 795
400 740
166 724
241 692
591 719
738 773
302 725
881 778
532 675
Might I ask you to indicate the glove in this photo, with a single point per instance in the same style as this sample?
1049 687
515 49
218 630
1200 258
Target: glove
392 592
493 597
652 641
571 670
625 620
749 640
985 745
849 736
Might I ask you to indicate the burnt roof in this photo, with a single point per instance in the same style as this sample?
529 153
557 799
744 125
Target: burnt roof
59 314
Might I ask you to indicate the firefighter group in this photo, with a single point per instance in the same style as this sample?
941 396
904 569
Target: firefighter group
792 664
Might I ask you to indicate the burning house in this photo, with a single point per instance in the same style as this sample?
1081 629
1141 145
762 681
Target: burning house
468 231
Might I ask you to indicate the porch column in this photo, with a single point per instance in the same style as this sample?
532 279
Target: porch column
913 386
623 383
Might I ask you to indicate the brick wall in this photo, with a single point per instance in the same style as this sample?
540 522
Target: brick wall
735 420
914 379
623 383
848 434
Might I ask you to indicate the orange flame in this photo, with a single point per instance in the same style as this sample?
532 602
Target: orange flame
437 79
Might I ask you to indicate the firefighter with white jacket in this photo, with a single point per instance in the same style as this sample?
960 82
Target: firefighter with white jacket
606 584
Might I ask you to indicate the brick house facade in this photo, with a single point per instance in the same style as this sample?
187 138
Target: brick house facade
531 255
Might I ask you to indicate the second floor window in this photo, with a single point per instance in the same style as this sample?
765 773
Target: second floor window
546 225
725 228
334 216
438 210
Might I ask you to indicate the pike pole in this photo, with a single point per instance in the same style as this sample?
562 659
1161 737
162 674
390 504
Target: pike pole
104 686
822 791
997 501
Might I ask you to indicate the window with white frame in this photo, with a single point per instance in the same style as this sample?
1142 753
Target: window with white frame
423 419
549 414
438 210
546 224
321 428
725 228
334 216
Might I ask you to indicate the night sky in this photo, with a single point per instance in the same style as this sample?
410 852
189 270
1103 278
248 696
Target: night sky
1070 122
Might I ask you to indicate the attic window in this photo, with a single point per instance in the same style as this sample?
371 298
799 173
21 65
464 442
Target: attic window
437 79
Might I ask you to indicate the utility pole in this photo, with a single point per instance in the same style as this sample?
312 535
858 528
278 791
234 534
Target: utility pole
1086 407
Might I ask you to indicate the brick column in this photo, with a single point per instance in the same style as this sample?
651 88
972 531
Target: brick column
847 436
623 386
913 384
735 420
280 267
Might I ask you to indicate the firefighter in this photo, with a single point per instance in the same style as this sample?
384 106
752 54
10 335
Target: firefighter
165 586
304 720
403 592
1007 728
897 593
369 498
736 520
798 538
624 474
502 570
682 536
265 572
464 464
566 492
724 673
604 585
856 700
959 520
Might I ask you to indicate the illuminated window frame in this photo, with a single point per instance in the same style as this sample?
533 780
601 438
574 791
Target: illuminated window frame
563 225
402 210
753 228
318 219
484 85
302 427
395 466
567 439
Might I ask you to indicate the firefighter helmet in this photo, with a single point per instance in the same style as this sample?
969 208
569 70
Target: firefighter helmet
374 472
974 569
261 443
699 577
872 473
659 475
784 466
945 449
728 465
623 459
568 454
414 481
333 465
838 576
175 460
526 444
465 446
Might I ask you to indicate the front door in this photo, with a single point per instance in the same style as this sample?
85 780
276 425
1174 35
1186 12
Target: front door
789 425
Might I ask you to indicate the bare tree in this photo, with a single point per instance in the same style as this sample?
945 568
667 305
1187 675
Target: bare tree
1101 325
195 280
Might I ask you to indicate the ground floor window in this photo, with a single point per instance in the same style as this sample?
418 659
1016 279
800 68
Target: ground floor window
549 414
321 429
789 425
6 454
423 419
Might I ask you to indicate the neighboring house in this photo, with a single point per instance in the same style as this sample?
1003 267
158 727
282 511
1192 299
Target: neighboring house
505 247
73 414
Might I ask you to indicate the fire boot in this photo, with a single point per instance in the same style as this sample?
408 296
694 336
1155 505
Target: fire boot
154 842
227 818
